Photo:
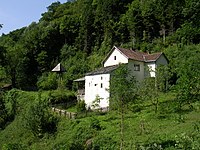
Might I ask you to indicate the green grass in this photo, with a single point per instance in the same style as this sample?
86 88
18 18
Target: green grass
72 109
142 128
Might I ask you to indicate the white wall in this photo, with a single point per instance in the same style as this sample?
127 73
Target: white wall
93 88
150 69
138 74
120 58
93 82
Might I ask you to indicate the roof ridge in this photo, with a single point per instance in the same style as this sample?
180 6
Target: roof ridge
102 70
154 53
137 55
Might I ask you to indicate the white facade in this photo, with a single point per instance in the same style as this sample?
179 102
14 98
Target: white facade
150 69
115 58
140 65
97 85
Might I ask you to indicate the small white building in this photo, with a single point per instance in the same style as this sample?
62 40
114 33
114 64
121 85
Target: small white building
97 82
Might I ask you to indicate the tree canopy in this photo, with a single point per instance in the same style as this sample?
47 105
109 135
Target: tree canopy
80 33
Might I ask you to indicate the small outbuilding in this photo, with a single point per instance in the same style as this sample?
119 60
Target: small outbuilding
58 68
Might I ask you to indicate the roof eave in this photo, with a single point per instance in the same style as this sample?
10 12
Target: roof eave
80 79
122 52
107 56
136 60
114 47
96 74
151 61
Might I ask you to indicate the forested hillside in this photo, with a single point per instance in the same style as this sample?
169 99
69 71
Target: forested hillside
79 34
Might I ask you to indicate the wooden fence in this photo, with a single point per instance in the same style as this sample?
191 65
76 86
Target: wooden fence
70 115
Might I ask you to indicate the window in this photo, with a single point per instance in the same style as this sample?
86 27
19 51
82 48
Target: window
101 85
101 78
115 57
95 84
136 67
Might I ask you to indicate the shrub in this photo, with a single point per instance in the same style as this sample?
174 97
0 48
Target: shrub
67 98
95 124
38 119
185 141
13 146
136 108
11 103
104 142
3 112
48 81
81 106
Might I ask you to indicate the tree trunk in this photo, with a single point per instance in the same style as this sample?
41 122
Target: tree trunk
122 126
13 78
163 33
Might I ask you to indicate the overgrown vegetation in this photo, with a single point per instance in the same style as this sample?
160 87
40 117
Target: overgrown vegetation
160 113
35 127
38 119
78 32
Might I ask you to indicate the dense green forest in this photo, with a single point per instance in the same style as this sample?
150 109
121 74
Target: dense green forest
79 34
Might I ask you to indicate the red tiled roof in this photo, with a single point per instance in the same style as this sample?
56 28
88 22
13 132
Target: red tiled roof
152 57
140 56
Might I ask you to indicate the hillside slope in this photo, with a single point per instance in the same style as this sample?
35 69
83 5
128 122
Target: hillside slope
167 129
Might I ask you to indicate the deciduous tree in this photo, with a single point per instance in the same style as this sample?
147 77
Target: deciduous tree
123 91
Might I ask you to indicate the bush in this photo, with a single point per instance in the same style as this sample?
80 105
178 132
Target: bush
136 108
11 103
38 119
64 97
3 112
48 81
104 142
95 124
13 146
81 106
186 141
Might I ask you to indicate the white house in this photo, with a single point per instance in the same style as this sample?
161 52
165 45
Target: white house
96 83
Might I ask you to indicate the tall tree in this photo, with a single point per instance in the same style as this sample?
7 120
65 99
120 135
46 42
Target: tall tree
51 10
2 55
87 29
163 75
149 92
167 13
134 22
190 30
14 57
188 73
123 91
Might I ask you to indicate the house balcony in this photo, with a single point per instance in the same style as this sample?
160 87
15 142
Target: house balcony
81 94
